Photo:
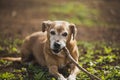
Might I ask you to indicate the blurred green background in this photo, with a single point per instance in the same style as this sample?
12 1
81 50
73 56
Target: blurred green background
98 25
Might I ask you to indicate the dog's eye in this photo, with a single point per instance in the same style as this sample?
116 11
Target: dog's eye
52 33
64 34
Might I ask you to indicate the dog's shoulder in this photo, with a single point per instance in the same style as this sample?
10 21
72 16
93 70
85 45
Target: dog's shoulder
35 37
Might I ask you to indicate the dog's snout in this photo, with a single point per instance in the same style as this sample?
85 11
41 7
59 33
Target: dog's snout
57 45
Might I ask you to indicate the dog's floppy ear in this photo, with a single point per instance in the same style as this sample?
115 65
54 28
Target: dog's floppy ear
46 25
73 30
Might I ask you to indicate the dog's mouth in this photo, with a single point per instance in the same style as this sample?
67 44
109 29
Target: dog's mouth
56 50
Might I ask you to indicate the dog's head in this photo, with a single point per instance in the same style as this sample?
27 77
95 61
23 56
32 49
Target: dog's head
59 34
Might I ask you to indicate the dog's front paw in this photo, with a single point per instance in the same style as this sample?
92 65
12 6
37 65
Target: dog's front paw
61 78
71 77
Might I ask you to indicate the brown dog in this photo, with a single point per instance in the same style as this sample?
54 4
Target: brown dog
46 47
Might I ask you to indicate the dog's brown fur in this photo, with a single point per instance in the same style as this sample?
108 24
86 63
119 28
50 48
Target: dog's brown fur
38 45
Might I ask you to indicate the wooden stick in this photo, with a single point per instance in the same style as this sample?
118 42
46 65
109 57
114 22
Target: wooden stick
92 77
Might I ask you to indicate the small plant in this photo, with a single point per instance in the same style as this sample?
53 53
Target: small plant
39 73
5 63
7 76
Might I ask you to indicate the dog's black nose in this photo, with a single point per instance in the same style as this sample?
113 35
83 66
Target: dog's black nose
57 45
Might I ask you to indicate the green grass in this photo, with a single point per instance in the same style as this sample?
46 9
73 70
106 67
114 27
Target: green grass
74 12
99 58
10 45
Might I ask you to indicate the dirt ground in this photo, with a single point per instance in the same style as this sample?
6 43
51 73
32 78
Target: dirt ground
19 18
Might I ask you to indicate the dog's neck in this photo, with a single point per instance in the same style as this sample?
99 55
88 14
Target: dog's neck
71 44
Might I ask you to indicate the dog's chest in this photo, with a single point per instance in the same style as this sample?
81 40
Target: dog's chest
61 65
63 61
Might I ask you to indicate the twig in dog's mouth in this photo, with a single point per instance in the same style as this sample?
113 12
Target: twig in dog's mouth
92 77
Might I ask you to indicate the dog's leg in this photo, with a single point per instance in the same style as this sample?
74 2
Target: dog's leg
27 56
74 72
54 71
